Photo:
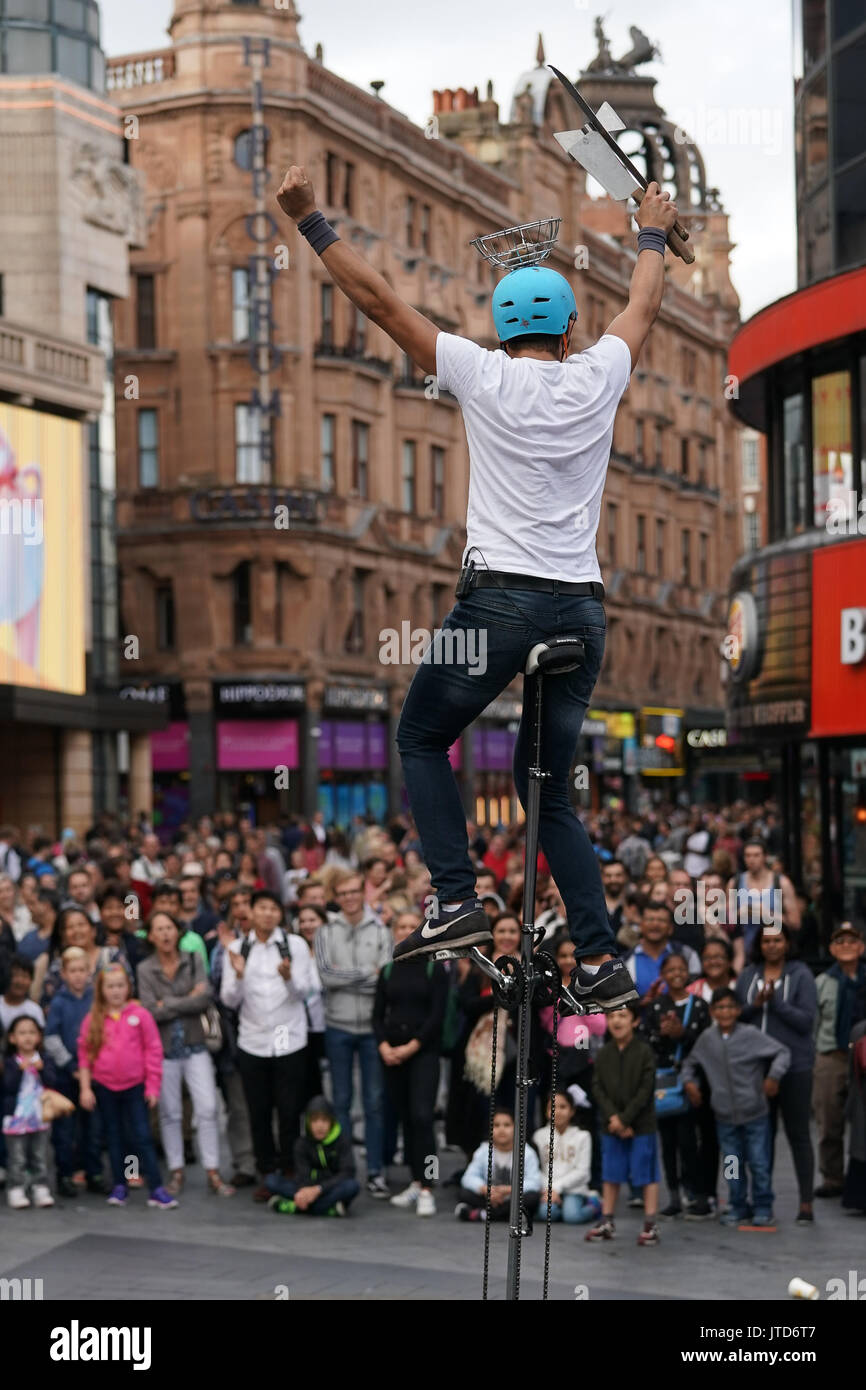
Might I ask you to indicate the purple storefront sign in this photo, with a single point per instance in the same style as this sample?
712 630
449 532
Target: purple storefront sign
351 745
169 748
494 750
250 745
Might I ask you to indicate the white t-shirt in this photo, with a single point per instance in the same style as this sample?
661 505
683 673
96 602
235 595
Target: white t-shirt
539 436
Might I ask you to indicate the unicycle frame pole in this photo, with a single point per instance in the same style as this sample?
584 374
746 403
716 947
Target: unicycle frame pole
522 1081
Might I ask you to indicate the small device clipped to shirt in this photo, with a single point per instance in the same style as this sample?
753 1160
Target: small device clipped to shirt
466 582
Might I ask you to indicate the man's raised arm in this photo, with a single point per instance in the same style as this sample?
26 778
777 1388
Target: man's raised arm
366 288
648 281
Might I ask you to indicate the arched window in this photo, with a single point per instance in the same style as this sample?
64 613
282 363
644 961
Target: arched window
245 146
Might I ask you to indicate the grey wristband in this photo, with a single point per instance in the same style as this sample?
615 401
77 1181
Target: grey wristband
318 231
651 239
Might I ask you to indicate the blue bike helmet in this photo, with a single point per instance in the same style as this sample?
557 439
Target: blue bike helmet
534 299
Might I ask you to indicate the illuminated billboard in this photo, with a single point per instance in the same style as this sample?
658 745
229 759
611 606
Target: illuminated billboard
42 551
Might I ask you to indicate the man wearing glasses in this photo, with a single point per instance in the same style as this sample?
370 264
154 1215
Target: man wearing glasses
350 951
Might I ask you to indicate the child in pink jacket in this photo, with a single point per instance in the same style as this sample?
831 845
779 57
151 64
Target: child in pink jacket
120 1063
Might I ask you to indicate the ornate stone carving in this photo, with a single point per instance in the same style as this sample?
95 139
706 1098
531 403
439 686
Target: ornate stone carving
112 192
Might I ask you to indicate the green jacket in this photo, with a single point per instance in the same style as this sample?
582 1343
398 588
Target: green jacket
624 1084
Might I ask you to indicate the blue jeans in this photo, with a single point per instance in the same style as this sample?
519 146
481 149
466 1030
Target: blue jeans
344 1191
126 1123
444 698
77 1138
574 1209
340 1049
750 1146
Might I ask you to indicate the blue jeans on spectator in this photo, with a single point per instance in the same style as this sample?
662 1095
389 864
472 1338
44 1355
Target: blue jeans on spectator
125 1119
340 1048
750 1146
447 695
345 1191
77 1138
574 1210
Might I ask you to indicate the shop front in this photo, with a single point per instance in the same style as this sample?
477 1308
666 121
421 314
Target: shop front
353 753
169 753
258 730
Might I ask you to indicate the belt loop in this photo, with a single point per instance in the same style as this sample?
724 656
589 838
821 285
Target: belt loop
556 588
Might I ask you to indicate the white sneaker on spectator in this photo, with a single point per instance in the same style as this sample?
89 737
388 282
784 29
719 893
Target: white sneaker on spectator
42 1195
17 1198
408 1197
426 1204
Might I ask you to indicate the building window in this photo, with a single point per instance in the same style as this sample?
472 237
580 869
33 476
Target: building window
684 457
241 305
794 452
750 462
326 302
165 617
751 531
245 146
332 165
612 522
686 559
638 441
425 228
702 464
660 447
437 480
410 220
1 297
249 457
349 189
832 459
408 478
358 340
703 559
660 549
328 451
354 641
640 562
145 311
360 456
242 620
148 449
687 358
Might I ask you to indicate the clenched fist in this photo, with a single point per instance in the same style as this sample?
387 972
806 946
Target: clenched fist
656 209
295 194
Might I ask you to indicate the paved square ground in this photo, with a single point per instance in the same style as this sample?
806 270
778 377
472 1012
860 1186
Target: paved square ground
213 1248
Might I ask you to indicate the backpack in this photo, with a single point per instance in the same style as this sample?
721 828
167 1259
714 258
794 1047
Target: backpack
282 946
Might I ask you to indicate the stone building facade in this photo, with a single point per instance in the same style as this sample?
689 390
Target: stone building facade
70 209
259 572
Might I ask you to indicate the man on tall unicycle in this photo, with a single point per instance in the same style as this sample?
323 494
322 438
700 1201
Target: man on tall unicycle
539 425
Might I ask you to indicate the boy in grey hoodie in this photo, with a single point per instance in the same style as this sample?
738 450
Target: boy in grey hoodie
734 1057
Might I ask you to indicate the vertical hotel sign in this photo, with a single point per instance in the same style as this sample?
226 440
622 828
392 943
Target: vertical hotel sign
261 228
43 552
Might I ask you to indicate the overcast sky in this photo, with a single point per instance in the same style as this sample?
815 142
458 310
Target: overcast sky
725 75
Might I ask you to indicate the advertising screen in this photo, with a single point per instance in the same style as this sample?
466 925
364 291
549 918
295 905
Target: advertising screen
42 551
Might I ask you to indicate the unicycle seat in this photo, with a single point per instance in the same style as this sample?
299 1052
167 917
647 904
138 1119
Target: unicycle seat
555 657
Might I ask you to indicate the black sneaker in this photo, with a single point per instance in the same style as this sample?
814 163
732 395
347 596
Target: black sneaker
377 1187
610 987
828 1189
672 1209
67 1188
451 929
805 1216
700 1210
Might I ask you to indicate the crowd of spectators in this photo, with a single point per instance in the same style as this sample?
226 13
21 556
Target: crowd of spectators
213 994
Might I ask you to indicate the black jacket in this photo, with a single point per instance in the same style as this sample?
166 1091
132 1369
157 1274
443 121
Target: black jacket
326 1163
410 1003
12 1079
663 1045
623 1084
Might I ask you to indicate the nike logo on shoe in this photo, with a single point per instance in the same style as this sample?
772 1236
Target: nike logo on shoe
430 933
